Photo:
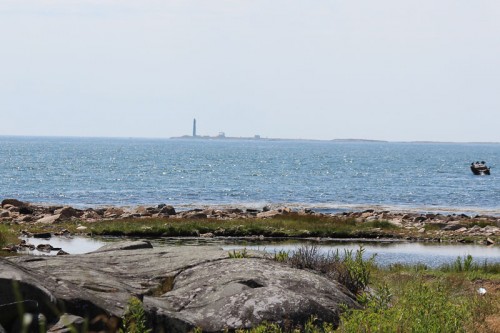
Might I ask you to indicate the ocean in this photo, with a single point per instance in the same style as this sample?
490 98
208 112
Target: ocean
327 176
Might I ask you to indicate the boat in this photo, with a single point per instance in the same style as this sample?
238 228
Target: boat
479 168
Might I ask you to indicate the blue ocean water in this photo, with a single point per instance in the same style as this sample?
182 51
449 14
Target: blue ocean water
323 175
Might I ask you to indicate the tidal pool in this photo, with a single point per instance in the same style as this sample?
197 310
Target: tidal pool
387 253
430 254
71 245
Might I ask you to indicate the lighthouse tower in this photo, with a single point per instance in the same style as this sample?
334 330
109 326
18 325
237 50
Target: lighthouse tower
194 128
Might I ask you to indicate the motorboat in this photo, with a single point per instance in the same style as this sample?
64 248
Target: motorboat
479 168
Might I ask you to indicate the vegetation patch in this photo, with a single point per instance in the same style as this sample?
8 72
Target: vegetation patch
3 236
405 298
349 268
238 254
381 224
134 319
290 225
468 265
7 236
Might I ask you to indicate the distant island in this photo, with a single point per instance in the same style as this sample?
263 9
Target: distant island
259 138
222 136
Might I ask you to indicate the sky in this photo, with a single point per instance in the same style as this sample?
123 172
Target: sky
397 70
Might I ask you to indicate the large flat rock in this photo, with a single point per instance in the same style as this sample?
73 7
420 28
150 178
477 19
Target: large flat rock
181 287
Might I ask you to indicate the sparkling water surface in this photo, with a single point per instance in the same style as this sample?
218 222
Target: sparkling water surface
323 175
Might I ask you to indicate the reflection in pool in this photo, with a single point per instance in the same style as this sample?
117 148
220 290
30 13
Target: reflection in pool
71 245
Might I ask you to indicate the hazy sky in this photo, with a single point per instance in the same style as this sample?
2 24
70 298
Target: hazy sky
374 69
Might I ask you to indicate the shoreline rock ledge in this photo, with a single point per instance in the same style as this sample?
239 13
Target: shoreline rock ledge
181 288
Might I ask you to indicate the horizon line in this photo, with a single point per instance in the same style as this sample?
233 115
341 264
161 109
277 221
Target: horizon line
229 138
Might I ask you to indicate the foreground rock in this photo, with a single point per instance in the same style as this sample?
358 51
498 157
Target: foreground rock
181 287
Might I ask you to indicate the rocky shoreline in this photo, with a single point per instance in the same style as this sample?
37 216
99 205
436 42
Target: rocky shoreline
484 229
181 288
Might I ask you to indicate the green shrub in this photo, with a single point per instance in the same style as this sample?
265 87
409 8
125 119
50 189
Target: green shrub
356 275
134 319
307 257
281 256
349 269
238 254
7 235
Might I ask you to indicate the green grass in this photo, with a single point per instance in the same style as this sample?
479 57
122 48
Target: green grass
290 225
472 269
420 306
480 223
415 298
3 236
238 254
382 224
8 235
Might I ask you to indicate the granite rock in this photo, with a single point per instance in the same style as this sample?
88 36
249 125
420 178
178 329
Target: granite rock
181 287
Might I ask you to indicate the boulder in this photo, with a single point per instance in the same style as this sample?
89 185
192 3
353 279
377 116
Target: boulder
50 219
195 215
68 212
12 209
121 246
44 247
113 212
26 210
41 295
268 214
452 226
141 210
239 293
420 219
167 210
181 287
13 202
91 215
45 235
68 324
25 218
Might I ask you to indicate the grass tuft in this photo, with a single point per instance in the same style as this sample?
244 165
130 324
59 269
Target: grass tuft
350 269
134 319
468 265
238 254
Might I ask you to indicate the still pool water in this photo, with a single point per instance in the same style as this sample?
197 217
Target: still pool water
430 254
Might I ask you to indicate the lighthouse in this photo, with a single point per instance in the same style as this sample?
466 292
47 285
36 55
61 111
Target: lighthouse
194 127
